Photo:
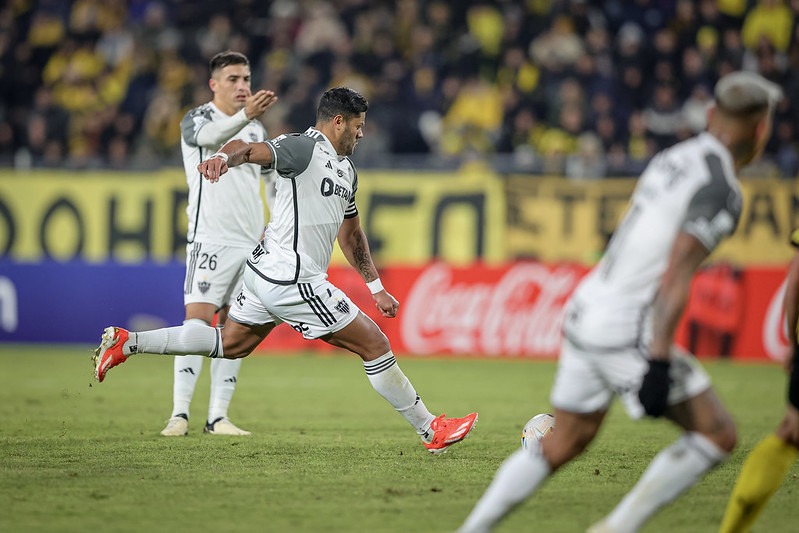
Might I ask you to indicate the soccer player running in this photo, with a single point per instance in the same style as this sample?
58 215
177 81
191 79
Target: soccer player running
286 275
767 464
224 223
620 322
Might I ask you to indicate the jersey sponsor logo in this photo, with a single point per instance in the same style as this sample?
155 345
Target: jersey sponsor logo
328 188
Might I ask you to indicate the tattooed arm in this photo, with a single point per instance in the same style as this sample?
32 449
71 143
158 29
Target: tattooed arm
353 243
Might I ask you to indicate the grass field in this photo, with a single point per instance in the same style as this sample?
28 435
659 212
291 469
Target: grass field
327 453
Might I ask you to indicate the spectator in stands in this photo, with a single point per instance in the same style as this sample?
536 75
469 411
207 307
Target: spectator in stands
103 59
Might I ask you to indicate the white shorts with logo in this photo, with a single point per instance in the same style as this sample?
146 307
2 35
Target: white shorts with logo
213 273
587 381
313 309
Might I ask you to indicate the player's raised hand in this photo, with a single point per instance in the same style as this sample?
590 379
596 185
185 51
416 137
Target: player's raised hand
386 304
213 167
258 103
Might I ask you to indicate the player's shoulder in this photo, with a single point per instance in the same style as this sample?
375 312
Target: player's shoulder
353 170
704 158
293 141
205 111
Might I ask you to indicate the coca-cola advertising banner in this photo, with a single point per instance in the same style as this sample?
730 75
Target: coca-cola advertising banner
516 311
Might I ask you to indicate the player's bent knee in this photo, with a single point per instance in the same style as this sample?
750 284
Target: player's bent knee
239 340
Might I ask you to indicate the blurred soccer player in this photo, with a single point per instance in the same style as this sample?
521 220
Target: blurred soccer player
224 224
767 464
286 275
620 322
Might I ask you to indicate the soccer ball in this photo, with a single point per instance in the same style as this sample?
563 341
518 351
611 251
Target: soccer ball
537 428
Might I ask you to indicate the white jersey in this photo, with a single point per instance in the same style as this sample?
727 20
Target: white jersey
230 211
690 187
315 192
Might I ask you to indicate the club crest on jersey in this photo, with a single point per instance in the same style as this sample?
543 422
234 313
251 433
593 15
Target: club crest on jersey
203 286
253 136
343 307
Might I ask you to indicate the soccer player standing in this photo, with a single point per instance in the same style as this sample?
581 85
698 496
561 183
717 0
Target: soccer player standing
620 322
224 223
767 464
286 275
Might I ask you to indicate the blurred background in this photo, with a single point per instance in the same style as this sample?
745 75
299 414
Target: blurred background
584 89
498 151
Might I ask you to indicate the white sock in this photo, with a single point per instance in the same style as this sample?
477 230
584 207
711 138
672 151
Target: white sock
187 370
188 339
516 479
388 380
671 472
224 373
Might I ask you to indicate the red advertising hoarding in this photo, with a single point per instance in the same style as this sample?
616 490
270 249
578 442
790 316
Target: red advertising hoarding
516 311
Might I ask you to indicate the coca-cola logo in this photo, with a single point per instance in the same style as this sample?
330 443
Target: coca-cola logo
519 314
775 334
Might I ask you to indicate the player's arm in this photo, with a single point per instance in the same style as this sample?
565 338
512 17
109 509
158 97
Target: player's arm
789 428
791 301
233 154
352 241
687 254
210 134
711 215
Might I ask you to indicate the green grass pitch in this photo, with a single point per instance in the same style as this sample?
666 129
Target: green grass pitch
327 453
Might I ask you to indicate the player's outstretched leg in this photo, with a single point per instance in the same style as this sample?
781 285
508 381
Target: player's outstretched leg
109 353
363 337
118 344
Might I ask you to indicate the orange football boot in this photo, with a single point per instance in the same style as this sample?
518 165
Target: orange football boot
109 353
449 431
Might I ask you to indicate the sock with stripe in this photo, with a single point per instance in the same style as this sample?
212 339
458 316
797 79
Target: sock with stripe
516 479
189 339
224 376
670 473
760 477
391 383
187 370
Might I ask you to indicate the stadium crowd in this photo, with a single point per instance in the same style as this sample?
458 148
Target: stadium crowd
574 87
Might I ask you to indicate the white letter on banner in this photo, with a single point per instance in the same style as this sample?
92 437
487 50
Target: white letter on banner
774 326
8 305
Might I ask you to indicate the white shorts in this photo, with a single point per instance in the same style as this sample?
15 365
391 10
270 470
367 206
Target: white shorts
213 273
313 309
587 381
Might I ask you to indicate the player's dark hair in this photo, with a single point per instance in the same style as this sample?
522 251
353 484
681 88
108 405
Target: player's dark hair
227 58
341 101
